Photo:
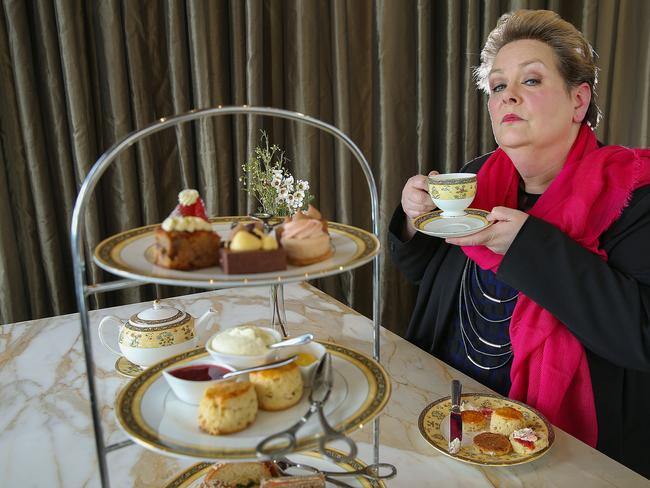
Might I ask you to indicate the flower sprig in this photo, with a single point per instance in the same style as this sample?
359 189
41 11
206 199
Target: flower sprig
266 177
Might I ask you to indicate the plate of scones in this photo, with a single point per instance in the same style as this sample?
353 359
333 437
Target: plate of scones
497 431
191 249
234 415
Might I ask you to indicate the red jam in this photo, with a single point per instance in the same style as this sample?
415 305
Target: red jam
487 412
525 443
199 372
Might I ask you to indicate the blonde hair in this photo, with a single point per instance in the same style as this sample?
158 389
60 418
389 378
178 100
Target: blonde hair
575 55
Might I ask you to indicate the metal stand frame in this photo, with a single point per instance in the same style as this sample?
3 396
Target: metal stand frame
83 290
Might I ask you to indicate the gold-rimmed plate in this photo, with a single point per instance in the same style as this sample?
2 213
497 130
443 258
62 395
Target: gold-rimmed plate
434 427
130 255
192 477
434 224
152 416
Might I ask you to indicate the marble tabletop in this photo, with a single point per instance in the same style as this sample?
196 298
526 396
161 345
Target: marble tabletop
46 432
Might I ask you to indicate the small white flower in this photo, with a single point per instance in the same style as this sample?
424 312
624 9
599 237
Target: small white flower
277 173
276 182
299 195
291 200
283 192
302 185
289 181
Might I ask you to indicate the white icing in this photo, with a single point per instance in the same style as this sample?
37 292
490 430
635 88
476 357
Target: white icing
185 224
188 197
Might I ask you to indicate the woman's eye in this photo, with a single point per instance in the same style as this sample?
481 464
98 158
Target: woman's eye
498 88
531 82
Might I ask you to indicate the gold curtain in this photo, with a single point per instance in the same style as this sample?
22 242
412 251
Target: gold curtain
395 75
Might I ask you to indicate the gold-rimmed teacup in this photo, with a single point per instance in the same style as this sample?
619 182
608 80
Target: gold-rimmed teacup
452 192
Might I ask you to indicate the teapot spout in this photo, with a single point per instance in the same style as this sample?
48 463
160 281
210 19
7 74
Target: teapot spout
206 325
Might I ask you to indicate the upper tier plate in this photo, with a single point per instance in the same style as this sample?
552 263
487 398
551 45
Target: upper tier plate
129 255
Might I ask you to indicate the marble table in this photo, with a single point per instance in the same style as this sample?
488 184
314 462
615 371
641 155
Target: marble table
46 433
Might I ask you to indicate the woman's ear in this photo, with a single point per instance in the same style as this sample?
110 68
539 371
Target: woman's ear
581 98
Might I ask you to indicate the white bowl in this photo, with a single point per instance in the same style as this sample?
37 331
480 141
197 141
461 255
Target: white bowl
240 361
191 391
313 348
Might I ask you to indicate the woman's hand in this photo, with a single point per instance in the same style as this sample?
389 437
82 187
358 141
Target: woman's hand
416 201
415 196
499 236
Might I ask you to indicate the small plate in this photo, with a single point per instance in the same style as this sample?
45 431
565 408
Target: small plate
434 427
434 224
193 476
127 368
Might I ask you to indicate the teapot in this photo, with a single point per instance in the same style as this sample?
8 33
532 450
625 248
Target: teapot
155 334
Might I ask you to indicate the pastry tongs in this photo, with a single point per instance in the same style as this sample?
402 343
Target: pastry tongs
320 392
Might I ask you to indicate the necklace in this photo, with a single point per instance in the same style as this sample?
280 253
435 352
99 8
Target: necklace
464 300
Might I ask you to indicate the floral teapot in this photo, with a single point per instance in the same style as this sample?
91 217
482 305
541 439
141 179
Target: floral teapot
156 333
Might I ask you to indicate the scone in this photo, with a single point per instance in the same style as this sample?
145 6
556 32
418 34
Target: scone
527 441
305 238
278 388
492 444
185 240
505 420
233 475
227 407
473 421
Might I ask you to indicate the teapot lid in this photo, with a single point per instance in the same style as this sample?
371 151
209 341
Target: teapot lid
159 315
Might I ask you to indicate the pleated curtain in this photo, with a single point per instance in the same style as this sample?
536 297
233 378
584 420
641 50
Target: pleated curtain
395 76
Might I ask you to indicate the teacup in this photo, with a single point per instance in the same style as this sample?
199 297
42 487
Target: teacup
452 192
155 334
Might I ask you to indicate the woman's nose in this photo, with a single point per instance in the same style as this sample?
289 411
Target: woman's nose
509 95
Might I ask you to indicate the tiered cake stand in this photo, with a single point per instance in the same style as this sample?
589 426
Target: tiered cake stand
130 279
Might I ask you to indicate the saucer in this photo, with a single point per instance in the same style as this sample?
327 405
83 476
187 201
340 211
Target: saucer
127 368
434 224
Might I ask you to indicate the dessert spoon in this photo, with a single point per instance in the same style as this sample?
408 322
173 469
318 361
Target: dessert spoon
294 341
274 364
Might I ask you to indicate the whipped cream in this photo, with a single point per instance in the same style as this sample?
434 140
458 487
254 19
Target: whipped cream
526 434
185 224
302 229
188 197
247 340
468 406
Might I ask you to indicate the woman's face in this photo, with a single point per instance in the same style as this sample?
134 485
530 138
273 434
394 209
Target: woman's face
529 103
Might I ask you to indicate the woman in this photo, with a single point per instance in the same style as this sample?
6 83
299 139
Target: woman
550 304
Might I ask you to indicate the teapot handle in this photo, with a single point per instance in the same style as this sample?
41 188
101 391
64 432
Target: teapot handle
104 321
202 325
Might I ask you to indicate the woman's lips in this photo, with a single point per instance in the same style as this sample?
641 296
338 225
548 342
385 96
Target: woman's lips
510 118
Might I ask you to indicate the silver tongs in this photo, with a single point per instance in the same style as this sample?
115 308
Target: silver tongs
285 442
380 471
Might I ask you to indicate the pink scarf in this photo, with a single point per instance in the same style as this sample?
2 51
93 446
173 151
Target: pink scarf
549 368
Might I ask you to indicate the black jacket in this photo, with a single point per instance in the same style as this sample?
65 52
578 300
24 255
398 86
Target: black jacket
605 304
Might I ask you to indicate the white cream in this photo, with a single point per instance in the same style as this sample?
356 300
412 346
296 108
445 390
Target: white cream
185 224
243 341
526 434
188 197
